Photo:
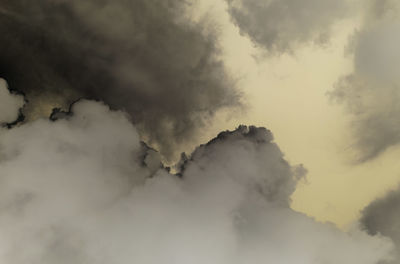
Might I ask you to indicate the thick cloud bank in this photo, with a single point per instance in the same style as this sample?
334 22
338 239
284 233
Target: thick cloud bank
145 57
372 92
9 104
281 25
83 189
383 217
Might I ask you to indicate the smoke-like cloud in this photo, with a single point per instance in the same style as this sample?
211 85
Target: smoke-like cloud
282 25
81 188
145 57
372 92
382 217
9 104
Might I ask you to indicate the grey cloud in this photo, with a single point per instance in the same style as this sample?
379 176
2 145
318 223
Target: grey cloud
371 93
215 157
81 189
145 57
382 217
9 104
282 25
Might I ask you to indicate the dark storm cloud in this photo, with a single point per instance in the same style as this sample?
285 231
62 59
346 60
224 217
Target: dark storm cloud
142 56
382 216
281 25
371 93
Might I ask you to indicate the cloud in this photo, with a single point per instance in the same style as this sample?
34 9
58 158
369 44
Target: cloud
82 188
382 217
145 57
9 104
282 25
372 91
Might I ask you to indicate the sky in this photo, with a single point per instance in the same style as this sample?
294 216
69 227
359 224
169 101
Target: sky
99 99
289 94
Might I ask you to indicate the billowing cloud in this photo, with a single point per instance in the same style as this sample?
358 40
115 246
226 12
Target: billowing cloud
81 188
372 92
282 25
382 217
145 57
9 104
